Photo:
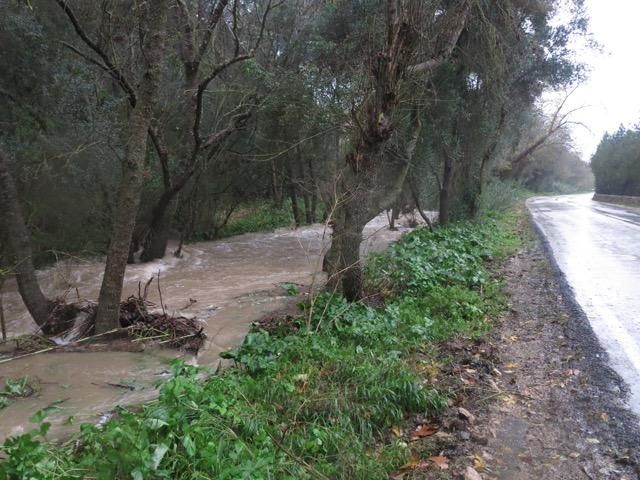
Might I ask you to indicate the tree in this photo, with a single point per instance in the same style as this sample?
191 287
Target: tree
194 147
370 181
19 239
150 18
616 163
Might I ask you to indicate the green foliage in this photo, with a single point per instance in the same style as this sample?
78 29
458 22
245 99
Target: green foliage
257 218
423 260
317 404
616 163
13 388
498 195
291 289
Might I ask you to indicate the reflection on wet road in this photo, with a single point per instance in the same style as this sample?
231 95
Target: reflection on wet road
597 247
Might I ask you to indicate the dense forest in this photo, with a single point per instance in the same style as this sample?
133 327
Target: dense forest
127 124
616 163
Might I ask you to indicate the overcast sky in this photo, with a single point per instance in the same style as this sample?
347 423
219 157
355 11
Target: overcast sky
612 91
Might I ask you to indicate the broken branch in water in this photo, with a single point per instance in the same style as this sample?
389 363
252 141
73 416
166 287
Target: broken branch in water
116 385
136 322
160 295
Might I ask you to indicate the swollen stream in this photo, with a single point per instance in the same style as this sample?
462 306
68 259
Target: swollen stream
233 281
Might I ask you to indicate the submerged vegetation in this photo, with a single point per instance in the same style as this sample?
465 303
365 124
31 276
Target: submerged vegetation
315 401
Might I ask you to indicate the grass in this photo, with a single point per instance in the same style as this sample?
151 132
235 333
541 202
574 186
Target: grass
258 217
261 217
315 404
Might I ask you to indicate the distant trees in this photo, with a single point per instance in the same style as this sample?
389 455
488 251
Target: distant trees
616 163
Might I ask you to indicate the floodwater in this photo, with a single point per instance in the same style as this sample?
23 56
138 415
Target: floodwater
233 281
597 247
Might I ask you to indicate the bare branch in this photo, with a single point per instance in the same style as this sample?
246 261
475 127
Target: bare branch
214 18
434 62
202 87
110 67
163 154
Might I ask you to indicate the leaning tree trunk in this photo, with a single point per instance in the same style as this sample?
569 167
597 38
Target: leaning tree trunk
19 241
107 316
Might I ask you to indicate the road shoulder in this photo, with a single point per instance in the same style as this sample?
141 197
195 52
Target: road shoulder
557 410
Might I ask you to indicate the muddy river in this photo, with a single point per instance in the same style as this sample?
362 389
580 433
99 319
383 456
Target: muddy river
233 281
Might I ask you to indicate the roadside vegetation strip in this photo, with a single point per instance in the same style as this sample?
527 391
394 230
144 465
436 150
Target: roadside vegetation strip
317 401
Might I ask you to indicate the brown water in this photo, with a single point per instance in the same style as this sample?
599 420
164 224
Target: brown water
234 282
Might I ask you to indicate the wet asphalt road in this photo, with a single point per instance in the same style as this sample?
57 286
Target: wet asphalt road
597 247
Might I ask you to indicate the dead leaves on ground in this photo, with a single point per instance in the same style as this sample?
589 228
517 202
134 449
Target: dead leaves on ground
422 430
438 462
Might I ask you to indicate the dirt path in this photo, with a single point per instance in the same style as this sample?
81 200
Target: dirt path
556 411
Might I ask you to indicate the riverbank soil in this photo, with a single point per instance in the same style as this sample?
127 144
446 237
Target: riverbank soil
536 399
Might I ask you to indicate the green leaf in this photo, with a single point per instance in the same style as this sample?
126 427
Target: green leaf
155 423
137 475
158 455
189 445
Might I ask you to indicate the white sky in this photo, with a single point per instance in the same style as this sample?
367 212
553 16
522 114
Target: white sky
612 91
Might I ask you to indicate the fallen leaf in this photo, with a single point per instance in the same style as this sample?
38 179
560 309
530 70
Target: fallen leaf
593 441
479 463
397 431
466 415
425 430
440 461
471 474
604 416
414 463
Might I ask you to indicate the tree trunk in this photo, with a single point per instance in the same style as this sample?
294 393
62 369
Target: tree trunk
293 195
3 325
155 245
416 200
314 192
303 180
19 241
445 199
276 192
342 261
351 266
107 316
